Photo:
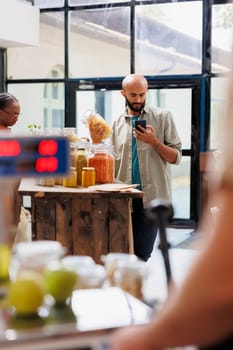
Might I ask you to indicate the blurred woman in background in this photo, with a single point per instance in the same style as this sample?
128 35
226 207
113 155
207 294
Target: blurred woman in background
9 111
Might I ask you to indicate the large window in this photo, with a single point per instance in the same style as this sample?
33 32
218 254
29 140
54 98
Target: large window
42 104
169 38
218 102
100 42
87 47
37 62
222 40
92 2
222 22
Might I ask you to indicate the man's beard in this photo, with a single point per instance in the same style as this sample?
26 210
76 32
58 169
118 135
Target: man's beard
132 106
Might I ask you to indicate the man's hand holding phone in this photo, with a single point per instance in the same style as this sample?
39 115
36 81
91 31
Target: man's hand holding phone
141 123
144 132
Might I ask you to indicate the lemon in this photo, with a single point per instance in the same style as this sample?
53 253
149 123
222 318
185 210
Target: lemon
26 293
4 261
60 282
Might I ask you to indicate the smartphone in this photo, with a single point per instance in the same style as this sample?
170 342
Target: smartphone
141 122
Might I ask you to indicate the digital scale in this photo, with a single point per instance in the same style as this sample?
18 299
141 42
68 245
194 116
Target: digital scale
33 156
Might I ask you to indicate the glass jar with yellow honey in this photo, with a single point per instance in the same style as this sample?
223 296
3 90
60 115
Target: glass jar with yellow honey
71 179
81 162
88 176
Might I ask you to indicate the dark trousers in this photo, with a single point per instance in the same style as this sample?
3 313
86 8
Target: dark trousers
144 233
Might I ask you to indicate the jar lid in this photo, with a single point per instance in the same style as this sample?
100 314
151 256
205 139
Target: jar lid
43 248
102 147
78 261
89 168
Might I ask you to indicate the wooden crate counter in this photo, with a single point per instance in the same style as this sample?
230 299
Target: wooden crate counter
85 221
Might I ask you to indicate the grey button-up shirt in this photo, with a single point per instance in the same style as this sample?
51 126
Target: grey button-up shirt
154 170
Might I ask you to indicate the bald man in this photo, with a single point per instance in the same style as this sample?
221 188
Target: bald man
144 156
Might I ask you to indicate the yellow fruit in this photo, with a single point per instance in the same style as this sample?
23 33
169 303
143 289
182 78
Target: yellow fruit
4 261
26 293
60 282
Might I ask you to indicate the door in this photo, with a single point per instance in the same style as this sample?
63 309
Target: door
182 98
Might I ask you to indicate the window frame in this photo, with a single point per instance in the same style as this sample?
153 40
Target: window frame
201 84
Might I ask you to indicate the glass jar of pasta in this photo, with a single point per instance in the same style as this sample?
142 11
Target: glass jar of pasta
103 161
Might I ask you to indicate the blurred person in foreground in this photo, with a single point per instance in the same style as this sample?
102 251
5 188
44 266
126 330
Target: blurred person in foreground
144 156
200 310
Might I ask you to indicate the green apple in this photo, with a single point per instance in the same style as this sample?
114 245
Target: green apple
26 293
60 281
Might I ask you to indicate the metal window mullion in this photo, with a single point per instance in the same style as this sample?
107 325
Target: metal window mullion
206 73
69 117
132 37
3 69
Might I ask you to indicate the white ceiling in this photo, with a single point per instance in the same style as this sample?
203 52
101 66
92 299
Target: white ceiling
19 24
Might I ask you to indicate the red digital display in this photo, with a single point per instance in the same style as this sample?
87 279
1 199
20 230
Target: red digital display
47 147
49 165
33 156
9 148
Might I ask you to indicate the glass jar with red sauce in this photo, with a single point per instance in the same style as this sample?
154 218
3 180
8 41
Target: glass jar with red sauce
103 161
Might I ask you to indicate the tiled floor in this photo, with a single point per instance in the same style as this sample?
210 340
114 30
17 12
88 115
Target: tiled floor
176 236
183 250
179 237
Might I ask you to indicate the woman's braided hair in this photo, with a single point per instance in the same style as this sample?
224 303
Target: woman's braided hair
6 99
